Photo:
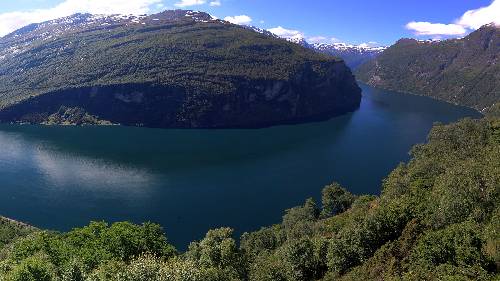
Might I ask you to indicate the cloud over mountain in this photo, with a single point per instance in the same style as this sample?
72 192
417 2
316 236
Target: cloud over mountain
470 20
287 33
241 19
188 3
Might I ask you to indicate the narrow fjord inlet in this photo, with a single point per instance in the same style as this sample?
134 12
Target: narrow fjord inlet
236 140
61 177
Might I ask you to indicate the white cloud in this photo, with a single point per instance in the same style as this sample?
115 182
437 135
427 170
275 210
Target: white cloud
316 39
334 40
14 20
427 28
476 18
287 33
242 19
188 3
472 19
215 3
370 44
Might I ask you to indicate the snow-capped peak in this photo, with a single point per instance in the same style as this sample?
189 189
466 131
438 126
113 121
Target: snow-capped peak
348 47
435 40
260 30
298 38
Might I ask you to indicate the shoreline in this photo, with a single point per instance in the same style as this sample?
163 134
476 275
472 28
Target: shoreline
482 112
16 222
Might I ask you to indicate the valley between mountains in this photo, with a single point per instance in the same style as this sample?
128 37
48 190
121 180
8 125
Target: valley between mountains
397 150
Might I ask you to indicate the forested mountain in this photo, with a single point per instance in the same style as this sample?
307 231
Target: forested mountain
463 71
438 218
172 69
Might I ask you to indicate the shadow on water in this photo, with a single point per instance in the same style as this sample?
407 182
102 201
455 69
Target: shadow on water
164 150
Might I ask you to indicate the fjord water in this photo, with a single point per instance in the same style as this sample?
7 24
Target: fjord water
192 180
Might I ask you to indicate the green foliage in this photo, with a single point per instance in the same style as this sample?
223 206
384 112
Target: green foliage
267 238
35 268
458 245
11 230
148 267
218 250
74 116
298 259
492 238
435 219
335 199
450 273
299 221
302 259
494 111
84 249
268 267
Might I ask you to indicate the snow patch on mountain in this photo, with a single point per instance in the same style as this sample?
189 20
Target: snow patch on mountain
23 38
362 48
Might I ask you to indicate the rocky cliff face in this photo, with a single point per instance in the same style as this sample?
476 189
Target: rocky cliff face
462 71
308 96
177 69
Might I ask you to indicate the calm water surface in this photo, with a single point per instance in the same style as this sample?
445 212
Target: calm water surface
193 180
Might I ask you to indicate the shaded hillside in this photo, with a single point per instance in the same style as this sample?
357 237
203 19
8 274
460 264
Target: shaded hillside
173 69
462 71
438 218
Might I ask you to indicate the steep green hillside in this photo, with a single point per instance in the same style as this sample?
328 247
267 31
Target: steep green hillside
11 230
173 69
463 71
438 218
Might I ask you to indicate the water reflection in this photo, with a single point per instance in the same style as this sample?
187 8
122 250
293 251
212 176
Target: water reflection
194 180
11 147
63 170
68 170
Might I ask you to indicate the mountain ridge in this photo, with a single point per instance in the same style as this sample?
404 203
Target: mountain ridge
463 71
177 68
353 55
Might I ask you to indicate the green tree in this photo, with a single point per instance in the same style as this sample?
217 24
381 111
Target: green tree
35 268
218 250
335 199
299 221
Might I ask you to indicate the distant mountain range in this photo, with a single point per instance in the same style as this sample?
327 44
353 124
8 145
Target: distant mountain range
179 68
463 71
353 55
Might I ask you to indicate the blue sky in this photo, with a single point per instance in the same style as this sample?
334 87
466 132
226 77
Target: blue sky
353 21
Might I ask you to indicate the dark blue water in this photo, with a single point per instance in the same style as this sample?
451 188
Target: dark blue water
193 180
